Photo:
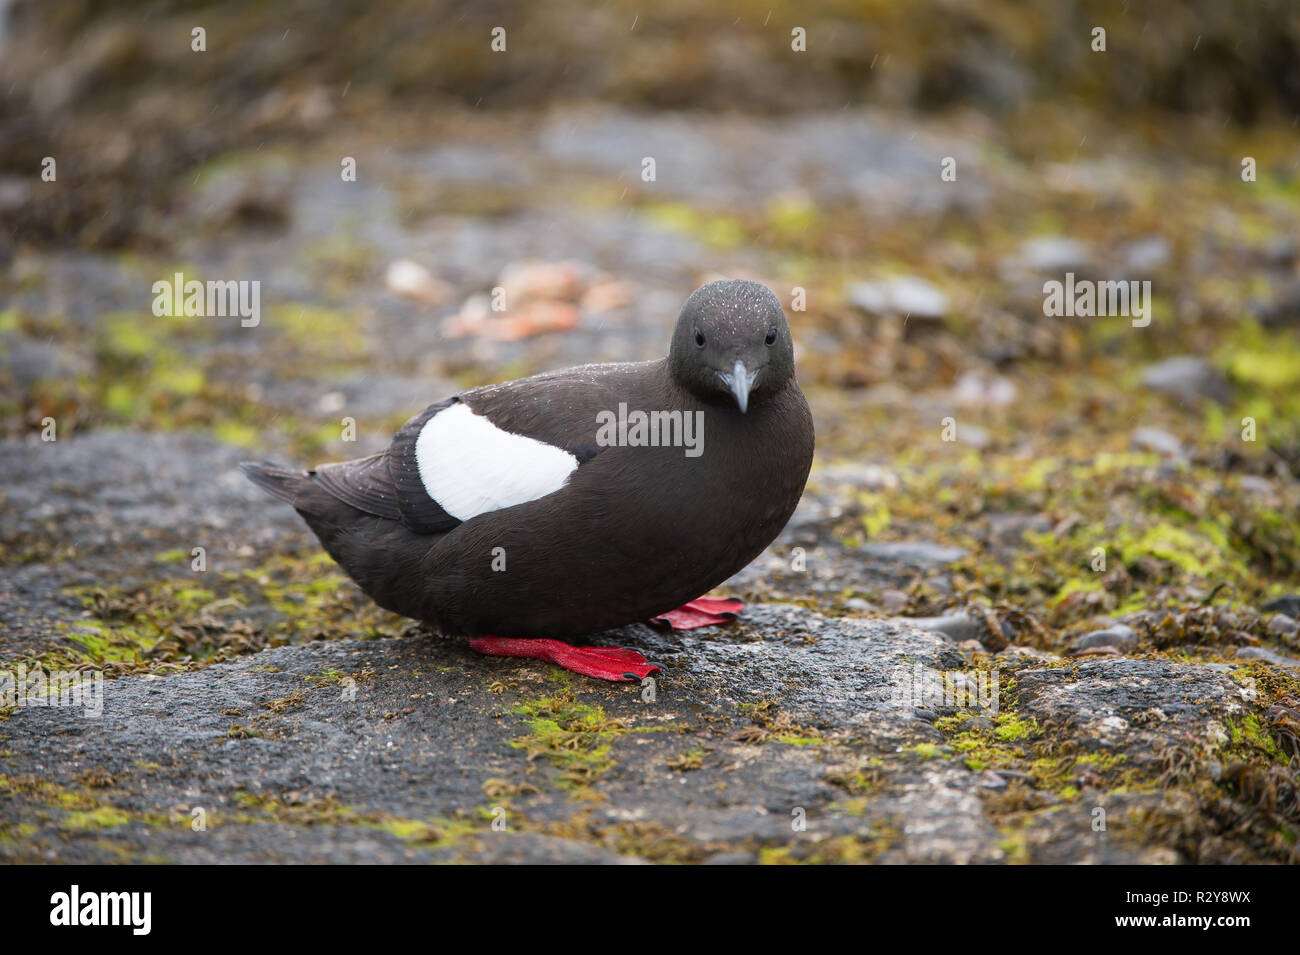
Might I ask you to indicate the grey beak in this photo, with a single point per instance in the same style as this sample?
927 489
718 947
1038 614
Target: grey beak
741 381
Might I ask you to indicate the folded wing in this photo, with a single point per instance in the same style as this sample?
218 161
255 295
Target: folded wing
447 465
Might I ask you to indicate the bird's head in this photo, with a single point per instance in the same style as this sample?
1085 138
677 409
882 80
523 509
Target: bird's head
732 344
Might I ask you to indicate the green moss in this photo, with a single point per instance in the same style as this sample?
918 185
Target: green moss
836 850
978 754
102 817
876 517
1260 359
175 623
1018 742
1079 585
292 810
1249 736
573 736
1102 759
416 831
775 855
791 215
162 373
128 337
1034 477
772 724
326 677
1015 844
1010 728
952 724
687 761
1198 551
47 792
100 645
239 731
925 750
1058 772
713 227
318 333
288 702
239 433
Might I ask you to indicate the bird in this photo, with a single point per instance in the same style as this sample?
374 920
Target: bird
571 502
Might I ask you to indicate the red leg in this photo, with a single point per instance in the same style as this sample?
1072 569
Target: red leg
701 612
604 663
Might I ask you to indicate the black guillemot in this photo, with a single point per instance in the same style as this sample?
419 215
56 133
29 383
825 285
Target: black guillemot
579 500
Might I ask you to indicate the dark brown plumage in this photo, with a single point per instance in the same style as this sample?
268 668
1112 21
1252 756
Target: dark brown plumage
631 533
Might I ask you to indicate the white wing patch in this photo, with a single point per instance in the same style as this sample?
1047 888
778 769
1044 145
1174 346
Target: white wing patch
470 466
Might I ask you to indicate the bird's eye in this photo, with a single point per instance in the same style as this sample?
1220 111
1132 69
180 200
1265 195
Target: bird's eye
771 337
699 338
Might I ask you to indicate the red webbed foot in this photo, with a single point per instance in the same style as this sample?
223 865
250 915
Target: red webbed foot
605 663
701 612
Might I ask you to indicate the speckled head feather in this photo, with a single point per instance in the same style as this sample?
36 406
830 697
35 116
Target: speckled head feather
732 344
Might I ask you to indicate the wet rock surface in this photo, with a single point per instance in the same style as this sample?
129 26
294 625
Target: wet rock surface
408 749
789 736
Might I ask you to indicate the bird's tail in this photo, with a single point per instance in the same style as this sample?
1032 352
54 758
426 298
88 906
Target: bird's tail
287 484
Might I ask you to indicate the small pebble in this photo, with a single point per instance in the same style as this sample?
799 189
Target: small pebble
731 858
894 601
1188 377
1285 629
1015 775
1267 655
1119 636
1289 605
992 780
956 627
